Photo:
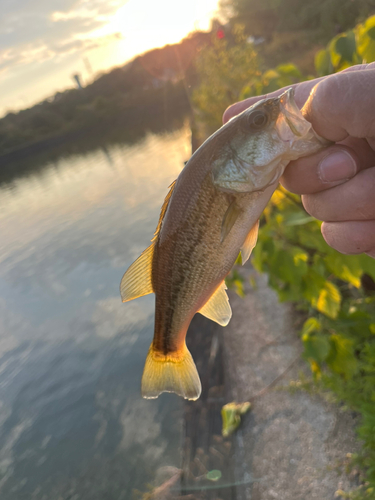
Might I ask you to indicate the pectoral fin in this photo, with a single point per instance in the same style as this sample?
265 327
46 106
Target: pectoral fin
249 243
230 217
136 282
217 308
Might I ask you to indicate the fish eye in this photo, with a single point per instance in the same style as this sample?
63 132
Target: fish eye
258 119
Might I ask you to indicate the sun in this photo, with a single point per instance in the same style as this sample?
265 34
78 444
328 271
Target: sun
146 24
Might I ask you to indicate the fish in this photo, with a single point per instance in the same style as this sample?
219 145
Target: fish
211 214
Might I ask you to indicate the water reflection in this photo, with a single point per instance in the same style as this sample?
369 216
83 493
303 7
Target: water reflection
71 355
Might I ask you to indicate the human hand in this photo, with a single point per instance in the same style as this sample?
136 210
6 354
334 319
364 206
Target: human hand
337 184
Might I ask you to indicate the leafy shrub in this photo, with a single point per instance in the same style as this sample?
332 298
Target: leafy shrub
337 292
352 47
224 68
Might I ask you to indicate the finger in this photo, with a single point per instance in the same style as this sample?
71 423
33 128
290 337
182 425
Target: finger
328 168
343 105
302 91
351 237
352 201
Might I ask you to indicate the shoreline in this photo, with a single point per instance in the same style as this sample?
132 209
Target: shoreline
131 123
291 444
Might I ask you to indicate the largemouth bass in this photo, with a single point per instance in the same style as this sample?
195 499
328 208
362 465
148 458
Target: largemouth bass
210 214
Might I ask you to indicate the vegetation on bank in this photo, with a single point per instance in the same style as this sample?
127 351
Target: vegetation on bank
336 292
317 18
293 30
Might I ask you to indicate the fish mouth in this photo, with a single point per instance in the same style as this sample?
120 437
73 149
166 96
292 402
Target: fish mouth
291 124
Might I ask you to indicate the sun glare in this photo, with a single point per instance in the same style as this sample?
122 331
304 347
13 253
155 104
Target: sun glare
147 24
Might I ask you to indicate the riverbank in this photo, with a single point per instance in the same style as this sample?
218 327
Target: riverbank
296 444
151 110
128 128
291 445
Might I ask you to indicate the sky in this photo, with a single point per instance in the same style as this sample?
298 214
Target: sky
44 42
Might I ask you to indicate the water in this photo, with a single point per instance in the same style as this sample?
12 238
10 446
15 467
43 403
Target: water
72 422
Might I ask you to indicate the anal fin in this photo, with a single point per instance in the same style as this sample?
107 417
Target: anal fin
249 243
217 308
136 282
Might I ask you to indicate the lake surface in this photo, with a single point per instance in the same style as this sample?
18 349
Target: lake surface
72 422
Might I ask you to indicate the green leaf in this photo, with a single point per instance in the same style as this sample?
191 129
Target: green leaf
312 238
323 63
257 256
341 358
213 475
311 325
365 40
369 23
247 91
231 416
371 32
367 265
345 46
235 281
346 267
282 266
289 264
270 74
289 70
300 257
329 300
238 261
317 347
335 57
312 285
319 264
298 219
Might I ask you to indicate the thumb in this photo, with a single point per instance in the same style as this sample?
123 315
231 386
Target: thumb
343 105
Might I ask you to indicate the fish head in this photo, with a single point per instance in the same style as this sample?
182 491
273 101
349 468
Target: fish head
261 141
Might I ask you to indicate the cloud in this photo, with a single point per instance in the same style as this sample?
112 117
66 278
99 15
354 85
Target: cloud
87 44
38 30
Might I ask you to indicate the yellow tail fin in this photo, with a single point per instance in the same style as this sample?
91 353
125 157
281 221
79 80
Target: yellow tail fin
174 372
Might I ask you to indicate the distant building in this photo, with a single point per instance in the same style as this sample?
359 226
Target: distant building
77 79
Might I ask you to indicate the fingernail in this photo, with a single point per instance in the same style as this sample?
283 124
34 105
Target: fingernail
337 166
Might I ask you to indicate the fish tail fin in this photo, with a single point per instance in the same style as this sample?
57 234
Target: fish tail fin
173 372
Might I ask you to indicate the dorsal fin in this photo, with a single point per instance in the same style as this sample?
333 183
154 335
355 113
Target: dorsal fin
250 242
163 210
136 282
217 307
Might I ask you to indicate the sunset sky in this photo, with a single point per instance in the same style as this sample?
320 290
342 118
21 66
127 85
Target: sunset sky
44 42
